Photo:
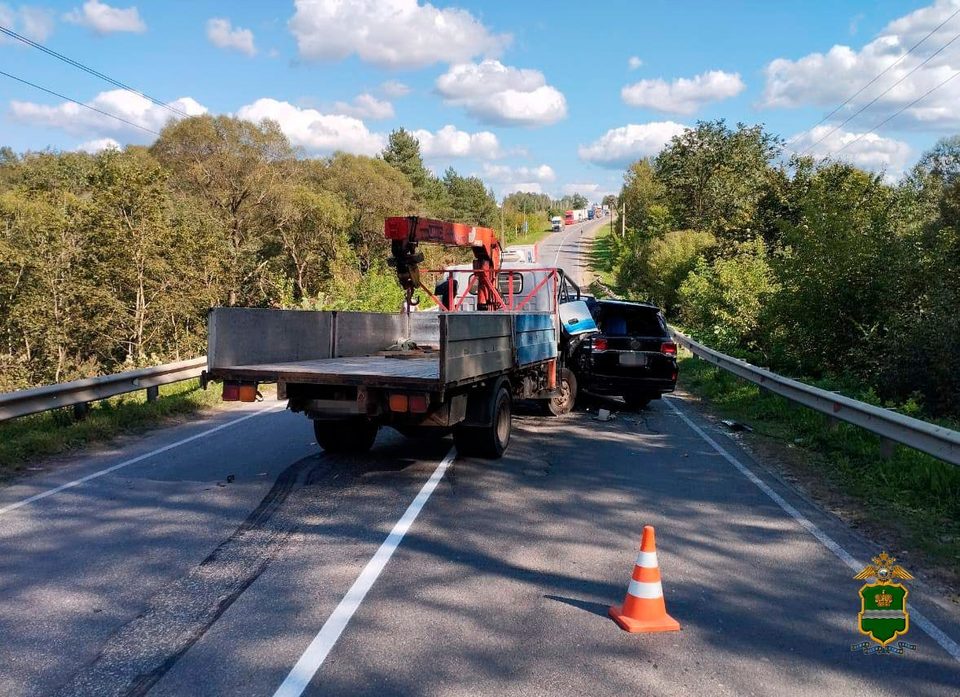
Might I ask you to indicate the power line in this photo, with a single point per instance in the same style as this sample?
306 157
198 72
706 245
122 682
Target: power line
85 106
875 78
96 73
877 98
894 115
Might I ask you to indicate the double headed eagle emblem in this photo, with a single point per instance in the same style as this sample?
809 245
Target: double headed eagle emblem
884 569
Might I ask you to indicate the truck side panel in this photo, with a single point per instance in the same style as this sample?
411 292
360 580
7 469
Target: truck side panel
364 333
245 336
536 338
475 343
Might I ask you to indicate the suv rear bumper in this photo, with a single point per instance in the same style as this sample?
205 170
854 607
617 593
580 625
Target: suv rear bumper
619 385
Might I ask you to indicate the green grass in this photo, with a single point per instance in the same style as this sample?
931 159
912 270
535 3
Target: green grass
532 237
29 438
911 498
603 263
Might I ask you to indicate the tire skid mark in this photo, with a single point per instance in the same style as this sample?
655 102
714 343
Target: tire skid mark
141 652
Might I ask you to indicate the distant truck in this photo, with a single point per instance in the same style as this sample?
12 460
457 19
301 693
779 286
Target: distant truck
568 218
556 223
591 213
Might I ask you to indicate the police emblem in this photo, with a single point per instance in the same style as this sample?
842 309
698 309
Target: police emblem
883 606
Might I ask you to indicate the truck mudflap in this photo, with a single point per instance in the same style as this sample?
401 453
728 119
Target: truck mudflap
479 405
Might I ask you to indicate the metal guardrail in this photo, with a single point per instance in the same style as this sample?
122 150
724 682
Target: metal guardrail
942 443
37 399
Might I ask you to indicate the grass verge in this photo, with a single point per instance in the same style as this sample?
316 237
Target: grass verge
29 438
531 237
908 502
603 262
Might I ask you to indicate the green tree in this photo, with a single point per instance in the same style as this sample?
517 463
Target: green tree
665 263
714 176
236 168
724 300
469 200
372 190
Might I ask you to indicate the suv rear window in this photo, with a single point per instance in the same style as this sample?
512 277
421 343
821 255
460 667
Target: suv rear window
626 320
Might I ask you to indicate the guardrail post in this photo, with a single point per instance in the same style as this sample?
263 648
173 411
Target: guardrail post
887 448
153 393
81 410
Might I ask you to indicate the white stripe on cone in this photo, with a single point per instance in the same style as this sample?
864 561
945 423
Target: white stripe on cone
645 590
647 560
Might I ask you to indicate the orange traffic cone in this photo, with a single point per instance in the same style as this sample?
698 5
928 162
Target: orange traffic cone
643 609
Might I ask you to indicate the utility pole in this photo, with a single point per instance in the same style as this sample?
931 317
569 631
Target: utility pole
623 222
503 232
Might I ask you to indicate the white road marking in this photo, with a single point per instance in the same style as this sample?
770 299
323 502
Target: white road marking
560 247
316 653
132 461
916 617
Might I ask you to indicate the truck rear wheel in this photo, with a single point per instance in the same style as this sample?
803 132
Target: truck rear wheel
563 403
354 436
487 441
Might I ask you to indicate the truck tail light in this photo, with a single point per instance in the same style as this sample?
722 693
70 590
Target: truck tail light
668 348
398 402
600 344
418 403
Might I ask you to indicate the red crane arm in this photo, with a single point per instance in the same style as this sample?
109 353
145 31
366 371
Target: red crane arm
405 234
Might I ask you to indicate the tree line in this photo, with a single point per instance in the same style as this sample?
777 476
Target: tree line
110 261
818 269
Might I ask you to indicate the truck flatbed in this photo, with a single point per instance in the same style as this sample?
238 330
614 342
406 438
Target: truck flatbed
374 349
380 371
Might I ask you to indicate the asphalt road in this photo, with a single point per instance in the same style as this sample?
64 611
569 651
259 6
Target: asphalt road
240 550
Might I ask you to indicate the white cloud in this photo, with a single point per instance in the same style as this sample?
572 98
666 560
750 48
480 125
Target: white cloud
501 94
619 147
683 95
224 35
828 79
33 22
449 142
540 173
394 88
634 62
75 119
365 106
315 131
104 19
390 33
98 144
510 179
593 192
870 151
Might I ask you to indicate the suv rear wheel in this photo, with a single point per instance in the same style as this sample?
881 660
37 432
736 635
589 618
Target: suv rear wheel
637 400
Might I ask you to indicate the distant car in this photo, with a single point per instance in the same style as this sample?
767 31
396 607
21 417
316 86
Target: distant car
633 355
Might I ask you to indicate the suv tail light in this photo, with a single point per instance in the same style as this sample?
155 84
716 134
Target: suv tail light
600 344
669 348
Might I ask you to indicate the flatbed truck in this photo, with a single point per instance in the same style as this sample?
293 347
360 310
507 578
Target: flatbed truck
455 370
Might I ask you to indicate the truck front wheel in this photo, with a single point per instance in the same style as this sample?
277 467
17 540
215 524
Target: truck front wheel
564 402
487 441
354 436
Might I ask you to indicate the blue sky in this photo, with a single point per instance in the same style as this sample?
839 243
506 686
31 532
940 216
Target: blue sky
530 95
